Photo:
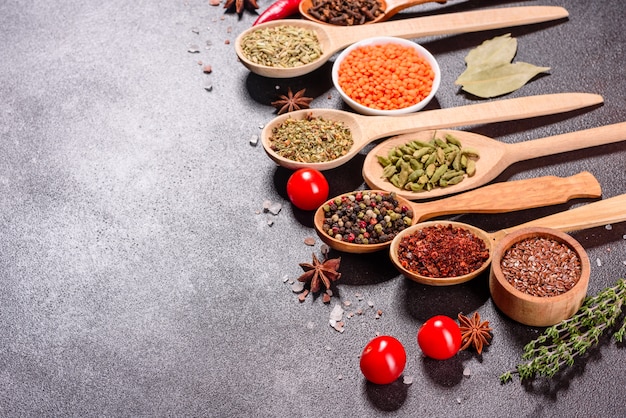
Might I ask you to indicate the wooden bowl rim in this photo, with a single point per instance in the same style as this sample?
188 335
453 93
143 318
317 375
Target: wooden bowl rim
521 234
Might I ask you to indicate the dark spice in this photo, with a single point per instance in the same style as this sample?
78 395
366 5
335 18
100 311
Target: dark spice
346 13
541 266
290 101
442 251
365 217
240 5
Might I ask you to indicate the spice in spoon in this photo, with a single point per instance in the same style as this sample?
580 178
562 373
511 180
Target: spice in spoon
365 217
311 140
345 13
282 46
442 251
422 166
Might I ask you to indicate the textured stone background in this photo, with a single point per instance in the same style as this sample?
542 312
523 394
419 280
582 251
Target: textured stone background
139 278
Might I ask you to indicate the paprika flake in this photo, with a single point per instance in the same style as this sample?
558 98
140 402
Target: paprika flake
442 251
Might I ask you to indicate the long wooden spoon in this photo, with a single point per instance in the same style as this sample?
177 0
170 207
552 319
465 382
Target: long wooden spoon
365 129
495 156
334 38
388 7
603 212
507 196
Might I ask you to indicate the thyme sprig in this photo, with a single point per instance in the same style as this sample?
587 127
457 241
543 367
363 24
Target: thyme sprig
559 345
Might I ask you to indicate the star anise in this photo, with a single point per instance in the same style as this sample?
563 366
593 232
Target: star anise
320 273
474 332
241 4
291 102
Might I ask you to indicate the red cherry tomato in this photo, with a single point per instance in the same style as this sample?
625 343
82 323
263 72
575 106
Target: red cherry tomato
439 337
383 360
307 189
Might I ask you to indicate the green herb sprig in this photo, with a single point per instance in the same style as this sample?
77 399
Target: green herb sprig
560 344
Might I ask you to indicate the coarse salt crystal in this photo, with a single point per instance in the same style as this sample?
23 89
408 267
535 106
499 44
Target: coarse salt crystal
598 262
297 287
337 313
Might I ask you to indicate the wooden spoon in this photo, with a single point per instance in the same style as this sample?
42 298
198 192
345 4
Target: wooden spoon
495 156
594 214
496 198
334 38
366 129
389 8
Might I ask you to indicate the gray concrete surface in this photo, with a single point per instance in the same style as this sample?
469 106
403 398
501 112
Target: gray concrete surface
139 276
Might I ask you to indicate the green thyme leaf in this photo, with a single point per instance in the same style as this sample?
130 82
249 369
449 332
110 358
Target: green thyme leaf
559 346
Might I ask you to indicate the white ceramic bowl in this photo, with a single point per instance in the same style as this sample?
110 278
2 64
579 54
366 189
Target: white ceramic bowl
383 40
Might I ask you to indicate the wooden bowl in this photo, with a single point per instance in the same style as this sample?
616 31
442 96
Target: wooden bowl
539 311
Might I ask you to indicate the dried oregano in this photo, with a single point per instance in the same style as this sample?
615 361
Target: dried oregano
559 345
491 73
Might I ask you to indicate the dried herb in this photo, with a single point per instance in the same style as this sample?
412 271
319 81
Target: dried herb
491 73
290 102
240 5
559 345
474 332
319 273
282 46
311 140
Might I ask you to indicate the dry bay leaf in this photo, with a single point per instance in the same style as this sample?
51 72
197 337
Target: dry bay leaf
492 53
500 80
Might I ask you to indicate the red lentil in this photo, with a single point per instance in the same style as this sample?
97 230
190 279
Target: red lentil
386 77
442 251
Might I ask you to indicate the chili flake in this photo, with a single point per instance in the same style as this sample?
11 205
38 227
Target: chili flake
442 251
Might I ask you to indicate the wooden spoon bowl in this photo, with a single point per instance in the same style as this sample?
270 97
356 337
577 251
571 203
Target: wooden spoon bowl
365 129
334 38
494 198
531 310
607 211
439 281
389 8
495 156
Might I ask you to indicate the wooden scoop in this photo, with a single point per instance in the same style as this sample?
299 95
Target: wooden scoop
496 198
334 38
594 214
495 156
389 8
365 129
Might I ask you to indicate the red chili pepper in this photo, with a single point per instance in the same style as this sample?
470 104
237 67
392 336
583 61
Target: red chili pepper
280 9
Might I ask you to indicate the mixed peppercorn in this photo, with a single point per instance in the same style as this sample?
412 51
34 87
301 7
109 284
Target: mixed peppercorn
365 217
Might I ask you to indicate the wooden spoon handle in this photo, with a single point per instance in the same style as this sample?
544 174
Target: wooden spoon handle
486 112
511 196
566 142
394 6
449 23
603 212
